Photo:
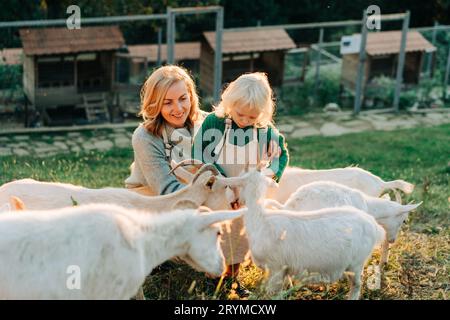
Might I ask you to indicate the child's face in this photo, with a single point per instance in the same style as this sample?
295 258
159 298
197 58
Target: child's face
176 105
243 116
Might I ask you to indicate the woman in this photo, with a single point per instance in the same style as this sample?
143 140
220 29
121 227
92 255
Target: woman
170 110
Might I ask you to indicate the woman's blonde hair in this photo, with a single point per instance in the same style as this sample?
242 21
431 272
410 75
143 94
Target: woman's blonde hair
250 90
154 91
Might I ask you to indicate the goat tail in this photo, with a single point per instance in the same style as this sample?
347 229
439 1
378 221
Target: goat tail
406 187
402 185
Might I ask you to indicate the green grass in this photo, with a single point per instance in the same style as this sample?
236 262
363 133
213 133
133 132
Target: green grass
419 261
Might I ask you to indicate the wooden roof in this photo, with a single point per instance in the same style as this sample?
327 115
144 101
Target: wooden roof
11 56
45 41
388 42
183 51
252 41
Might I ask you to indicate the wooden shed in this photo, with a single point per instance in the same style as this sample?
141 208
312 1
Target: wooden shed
11 56
187 54
63 67
382 51
244 51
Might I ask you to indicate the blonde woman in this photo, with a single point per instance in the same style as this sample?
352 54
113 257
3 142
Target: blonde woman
239 132
170 110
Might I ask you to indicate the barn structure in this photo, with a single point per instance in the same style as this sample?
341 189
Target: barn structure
244 51
382 52
63 67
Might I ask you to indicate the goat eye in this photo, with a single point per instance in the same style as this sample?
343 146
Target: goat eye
219 233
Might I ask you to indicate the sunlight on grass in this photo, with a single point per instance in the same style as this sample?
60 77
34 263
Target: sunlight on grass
419 261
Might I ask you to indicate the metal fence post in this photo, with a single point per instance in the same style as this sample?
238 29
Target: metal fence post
430 54
447 71
401 61
218 55
158 59
317 75
170 36
174 35
361 65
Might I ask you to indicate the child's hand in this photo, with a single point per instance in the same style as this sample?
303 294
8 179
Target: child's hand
274 151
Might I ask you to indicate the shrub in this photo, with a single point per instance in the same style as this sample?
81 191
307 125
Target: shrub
10 76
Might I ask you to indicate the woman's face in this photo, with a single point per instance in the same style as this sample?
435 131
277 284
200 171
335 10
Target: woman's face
176 105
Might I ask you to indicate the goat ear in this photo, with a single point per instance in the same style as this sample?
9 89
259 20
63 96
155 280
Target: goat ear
204 209
173 163
408 207
185 204
272 204
208 219
386 196
183 174
233 181
16 204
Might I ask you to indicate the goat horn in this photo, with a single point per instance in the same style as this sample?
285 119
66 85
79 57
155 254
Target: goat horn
206 167
187 162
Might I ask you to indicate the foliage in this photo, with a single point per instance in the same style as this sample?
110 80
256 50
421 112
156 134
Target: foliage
381 91
329 81
10 76
237 13
299 98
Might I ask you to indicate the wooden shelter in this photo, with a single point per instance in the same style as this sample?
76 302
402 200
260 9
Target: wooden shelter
187 54
63 67
382 51
244 51
11 56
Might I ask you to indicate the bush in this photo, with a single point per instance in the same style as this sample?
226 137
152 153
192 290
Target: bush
381 91
301 98
329 83
10 76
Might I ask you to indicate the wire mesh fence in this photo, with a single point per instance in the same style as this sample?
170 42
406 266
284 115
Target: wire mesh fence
314 74
423 87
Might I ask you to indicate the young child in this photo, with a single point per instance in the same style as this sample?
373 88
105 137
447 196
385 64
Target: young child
240 131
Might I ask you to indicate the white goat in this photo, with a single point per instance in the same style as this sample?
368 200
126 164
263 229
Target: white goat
100 251
326 194
15 204
293 178
5 207
206 188
328 241
352 177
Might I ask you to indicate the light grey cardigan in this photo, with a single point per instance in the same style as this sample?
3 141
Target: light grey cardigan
150 167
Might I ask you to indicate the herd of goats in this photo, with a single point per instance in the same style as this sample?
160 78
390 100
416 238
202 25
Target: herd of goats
324 222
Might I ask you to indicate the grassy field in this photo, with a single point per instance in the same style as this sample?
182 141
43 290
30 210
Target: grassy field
419 266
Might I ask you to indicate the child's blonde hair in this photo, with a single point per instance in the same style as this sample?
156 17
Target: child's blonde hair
251 90
154 91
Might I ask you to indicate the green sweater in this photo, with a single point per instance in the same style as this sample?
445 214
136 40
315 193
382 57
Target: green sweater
205 139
